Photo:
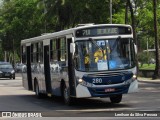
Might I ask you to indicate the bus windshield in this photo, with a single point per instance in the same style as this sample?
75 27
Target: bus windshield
104 54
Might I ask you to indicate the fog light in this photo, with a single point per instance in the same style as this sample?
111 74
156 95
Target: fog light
134 77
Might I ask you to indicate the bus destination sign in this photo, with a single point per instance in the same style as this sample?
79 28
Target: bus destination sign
102 31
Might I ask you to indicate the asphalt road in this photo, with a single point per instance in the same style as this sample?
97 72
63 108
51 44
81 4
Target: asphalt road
14 98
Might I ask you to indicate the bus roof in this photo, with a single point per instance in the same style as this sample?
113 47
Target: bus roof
67 32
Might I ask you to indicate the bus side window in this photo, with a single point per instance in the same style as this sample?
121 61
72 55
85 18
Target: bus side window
53 50
62 51
39 52
23 54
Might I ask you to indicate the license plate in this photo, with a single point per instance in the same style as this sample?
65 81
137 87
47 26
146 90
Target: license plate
109 90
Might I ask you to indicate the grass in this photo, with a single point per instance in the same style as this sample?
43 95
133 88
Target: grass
147 67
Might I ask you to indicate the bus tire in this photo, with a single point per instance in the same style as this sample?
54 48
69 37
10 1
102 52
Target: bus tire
116 99
68 100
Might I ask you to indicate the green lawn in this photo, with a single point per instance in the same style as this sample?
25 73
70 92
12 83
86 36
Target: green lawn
147 67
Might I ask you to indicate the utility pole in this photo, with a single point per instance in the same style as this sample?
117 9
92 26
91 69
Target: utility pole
45 11
126 13
110 11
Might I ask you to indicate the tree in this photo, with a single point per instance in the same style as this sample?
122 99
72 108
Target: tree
134 29
157 69
20 19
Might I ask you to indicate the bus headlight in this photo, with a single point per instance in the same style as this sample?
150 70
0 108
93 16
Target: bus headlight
134 77
84 83
80 80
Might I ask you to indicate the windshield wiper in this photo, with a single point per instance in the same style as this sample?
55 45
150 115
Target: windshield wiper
94 42
117 41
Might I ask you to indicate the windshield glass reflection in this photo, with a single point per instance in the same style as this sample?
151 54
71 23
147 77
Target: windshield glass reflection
106 54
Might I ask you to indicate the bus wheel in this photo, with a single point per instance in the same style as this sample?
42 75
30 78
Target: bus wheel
66 96
116 99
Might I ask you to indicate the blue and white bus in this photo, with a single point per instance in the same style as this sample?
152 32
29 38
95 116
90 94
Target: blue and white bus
82 62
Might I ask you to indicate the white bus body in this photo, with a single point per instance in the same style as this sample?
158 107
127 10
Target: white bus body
66 63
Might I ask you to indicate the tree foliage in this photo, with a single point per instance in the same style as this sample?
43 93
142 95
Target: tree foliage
21 19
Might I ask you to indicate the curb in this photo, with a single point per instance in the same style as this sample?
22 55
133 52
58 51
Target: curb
141 79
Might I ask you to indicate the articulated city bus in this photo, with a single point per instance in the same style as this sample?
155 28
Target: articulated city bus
82 62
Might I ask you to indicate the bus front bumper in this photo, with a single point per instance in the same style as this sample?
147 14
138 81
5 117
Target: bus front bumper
106 90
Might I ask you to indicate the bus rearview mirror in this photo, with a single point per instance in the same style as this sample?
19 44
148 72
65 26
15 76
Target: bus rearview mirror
72 47
135 48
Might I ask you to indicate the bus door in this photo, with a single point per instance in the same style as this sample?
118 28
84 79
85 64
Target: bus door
47 69
71 72
29 75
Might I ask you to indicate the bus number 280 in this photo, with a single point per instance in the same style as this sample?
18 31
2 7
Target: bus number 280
97 80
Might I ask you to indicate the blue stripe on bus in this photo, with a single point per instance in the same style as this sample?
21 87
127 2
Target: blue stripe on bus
108 79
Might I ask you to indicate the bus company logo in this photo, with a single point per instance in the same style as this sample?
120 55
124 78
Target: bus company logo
123 78
6 114
109 82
